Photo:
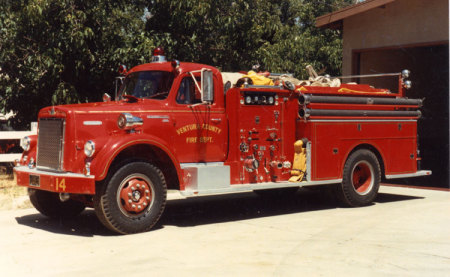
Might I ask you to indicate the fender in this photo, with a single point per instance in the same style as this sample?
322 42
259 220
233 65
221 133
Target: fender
360 144
115 145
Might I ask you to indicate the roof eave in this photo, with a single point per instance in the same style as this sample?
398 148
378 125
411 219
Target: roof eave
334 20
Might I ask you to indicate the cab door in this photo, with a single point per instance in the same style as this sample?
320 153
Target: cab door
201 133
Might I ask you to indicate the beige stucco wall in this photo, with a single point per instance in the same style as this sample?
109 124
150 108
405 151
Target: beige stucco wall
403 22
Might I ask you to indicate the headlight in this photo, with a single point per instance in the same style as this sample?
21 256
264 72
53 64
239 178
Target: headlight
89 148
25 143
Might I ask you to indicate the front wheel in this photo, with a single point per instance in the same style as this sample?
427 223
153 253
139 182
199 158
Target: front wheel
361 179
133 199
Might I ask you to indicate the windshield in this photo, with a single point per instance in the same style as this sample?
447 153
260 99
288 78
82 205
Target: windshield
147 84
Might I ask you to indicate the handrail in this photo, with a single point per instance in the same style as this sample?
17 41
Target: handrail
369 75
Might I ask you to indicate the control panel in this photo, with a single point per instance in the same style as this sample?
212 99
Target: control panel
261 138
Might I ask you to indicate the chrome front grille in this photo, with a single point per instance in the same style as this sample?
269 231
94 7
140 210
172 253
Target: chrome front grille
50 143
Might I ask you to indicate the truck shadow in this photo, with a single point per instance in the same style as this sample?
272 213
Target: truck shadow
86 224
218 209
206 210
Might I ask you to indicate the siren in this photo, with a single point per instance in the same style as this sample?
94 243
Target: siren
158 55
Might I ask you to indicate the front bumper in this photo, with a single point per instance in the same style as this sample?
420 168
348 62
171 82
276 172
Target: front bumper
54 181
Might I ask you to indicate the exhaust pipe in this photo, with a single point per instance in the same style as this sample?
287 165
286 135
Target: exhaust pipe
305 99
306 113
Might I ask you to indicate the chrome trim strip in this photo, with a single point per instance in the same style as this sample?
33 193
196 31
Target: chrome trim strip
185 165
92 123
308 161
416 174
63 146
158 116
35 171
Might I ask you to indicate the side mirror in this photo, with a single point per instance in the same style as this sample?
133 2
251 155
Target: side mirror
207 86
118 83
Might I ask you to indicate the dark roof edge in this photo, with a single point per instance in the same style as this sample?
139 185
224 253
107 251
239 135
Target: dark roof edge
334 20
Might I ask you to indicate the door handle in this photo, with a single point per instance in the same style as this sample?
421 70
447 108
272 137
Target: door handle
216 120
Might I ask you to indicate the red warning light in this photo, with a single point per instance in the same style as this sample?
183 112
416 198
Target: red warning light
159 51
122 69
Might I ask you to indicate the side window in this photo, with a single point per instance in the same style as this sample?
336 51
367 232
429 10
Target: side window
188 92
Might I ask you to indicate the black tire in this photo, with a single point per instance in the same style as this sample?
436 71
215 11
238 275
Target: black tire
49 204
361 179
133 199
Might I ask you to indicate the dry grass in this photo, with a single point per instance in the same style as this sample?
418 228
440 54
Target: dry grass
11 195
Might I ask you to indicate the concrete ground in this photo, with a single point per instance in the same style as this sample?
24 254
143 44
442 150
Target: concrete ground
405 233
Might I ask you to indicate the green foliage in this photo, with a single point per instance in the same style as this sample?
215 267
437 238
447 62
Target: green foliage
236 34
67 51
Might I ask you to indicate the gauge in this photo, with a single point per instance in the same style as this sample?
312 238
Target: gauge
243 147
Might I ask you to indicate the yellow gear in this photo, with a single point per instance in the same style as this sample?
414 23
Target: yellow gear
299 164
259 80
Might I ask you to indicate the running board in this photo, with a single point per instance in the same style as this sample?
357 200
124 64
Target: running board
257 186
214 178
210 179
408 175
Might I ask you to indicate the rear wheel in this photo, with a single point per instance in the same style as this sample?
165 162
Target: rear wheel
49 204
133 199
361 179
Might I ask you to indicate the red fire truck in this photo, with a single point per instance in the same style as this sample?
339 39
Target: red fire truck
179 126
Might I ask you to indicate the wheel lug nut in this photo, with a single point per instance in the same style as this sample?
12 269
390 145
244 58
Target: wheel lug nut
138 186
134 206
148 198
129 201
139 207
145 204
132 188
147 191
129 194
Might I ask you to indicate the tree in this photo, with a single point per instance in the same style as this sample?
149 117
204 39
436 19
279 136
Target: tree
235 34
65 51
299 43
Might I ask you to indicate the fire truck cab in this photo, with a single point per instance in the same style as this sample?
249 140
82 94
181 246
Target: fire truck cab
181 126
